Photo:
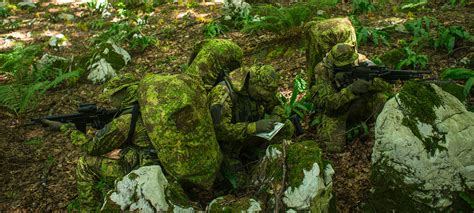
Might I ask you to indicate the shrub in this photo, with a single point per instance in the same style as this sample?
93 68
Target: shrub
413 60
447 37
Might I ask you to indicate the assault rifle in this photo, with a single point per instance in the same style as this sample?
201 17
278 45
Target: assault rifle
370 72
86 114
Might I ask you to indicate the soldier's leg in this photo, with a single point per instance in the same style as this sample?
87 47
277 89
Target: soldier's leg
333 132
91 170
367 107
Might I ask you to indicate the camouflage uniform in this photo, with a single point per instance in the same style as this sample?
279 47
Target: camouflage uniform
93 167
212 58
322 36
236 108
337 103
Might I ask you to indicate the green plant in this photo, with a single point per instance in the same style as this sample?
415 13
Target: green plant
141 42
29 81
457 2
293 105
97 24
96 7
362 6
420 29
376 36
413 60
460 74
19 59
469 199
4 11
283 19
447 37
214 29
74 206
413 4
357 131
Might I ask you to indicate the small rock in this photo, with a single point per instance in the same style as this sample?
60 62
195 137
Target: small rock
66 17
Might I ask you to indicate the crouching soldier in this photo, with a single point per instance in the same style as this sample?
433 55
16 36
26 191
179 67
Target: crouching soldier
113 151
238 106
339 104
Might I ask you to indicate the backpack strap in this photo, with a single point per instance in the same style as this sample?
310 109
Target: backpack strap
133 123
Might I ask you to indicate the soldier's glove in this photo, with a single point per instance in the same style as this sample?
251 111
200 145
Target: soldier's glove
52 125
359 86
265 125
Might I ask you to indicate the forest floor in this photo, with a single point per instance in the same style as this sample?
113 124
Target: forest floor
37 165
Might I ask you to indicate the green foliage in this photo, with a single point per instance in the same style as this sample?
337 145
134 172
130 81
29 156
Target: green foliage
414 4
362 6
123 33
4 11
29 81
292 106
447 37
97 24
460 74
376 36
34 141
283 19
19 59
420 28
96 7
365 34
469 199
357 131
413 60
214 29
74 206
461 3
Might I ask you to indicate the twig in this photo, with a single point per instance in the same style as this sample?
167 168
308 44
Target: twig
279 194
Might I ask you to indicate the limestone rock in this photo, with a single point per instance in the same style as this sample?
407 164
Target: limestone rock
144 190
109 57
230 203
423 156
308 183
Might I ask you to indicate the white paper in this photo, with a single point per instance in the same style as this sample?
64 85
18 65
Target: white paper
271 134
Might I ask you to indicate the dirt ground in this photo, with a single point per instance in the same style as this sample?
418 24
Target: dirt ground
37 165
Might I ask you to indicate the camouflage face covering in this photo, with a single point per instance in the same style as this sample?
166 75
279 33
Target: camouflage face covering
342 54
121 89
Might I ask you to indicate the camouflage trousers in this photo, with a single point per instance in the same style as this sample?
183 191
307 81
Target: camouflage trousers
332 129
95 175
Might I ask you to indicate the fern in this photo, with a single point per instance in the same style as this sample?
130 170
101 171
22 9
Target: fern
19 59
413 60
460 74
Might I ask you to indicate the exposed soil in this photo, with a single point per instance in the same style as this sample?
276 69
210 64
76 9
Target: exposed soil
37 165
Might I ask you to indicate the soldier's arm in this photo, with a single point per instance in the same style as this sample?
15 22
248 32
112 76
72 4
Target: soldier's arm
111 137
327 96
221 110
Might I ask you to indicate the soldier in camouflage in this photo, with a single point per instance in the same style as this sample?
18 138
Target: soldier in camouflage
340 104
322 36
238 106
108 156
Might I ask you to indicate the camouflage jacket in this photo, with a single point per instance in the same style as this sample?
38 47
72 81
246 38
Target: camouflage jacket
329 97
234 114
112 136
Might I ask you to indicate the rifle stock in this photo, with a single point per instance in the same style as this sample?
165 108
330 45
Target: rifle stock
87 114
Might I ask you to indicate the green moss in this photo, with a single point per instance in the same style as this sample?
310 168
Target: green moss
392 57
277 52
454 89
390 192
301 156
418 103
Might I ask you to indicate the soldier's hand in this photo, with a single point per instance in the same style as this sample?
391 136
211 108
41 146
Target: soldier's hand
265 125
359 86
52 125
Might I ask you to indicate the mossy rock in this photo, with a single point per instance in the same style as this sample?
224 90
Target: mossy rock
422 156
392 57
230 203
308 183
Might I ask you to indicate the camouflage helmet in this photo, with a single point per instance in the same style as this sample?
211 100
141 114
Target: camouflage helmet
264 76
342 54
123 87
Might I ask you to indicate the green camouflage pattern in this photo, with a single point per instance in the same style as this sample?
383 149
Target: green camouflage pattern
342 54
95 175
122 88
174 110
321 37
339 107
92 168
211 57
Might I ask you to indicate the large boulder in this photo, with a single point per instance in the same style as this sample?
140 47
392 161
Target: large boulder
147 190
423 157
308 178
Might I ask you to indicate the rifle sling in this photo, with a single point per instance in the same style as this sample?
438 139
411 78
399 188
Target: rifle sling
133 123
